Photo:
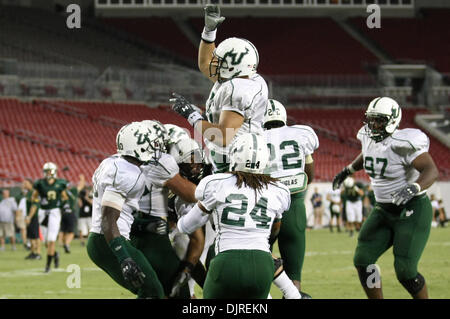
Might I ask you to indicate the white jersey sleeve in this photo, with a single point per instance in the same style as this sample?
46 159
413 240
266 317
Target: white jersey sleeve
206 190
159 172
117 175
309 138
120 178
284 198
410 143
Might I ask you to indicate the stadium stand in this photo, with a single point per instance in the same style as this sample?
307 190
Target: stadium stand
417 39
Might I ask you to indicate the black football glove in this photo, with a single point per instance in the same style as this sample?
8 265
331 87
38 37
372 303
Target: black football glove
182 278
186 109
132 273
340 177
404 195
212 17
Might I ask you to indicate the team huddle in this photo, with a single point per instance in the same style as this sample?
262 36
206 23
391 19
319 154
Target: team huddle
168 213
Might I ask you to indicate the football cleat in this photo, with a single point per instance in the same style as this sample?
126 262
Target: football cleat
305 295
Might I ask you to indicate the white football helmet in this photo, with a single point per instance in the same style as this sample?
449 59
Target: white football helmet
141 140
176 133
50 170
275 111
249 153
383 117
184 148
349 182
234 57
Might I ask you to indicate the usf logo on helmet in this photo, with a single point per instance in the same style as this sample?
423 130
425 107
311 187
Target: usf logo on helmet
383 117
141 140
234 57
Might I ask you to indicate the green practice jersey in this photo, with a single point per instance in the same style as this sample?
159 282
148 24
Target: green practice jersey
50 194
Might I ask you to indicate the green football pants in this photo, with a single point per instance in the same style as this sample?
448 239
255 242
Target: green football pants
239 274
101 254
291 239
160 254
406 228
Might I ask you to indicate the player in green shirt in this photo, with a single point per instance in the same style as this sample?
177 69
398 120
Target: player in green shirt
50 193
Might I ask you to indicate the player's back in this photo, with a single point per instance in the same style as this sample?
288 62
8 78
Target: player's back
243 217
289 146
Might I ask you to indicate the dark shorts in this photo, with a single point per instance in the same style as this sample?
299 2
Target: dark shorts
33 228
67 223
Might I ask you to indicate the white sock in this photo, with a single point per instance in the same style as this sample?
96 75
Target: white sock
269 296
287 287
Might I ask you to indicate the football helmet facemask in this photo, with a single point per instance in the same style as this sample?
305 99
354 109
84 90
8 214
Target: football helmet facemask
275 112
383 117
50 170
249 153
233 57
189 157
144 140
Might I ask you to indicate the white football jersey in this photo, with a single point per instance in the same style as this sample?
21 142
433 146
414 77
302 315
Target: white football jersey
247 97
120 176
389 162
243 218
289 146
155 198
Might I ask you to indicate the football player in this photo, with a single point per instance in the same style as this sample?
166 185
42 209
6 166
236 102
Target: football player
49 197
118 184
193 248
247 207
291 161
150 230
400 170
68 218
353 204
334 198
238 98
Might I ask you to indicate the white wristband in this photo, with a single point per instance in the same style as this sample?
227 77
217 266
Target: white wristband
209 36
418 187
194 118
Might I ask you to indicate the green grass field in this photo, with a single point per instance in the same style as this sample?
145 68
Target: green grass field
328 271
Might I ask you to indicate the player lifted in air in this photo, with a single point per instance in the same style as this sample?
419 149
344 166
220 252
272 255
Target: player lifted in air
118 185
291 149
49 197
400 170
238 98
247 207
